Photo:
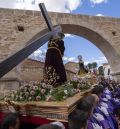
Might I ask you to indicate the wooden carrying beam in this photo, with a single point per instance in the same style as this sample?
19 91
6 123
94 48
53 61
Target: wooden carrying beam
15 59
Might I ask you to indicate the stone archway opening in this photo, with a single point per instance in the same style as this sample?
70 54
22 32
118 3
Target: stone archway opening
95 38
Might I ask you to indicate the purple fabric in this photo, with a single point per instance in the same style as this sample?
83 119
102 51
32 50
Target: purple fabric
89 125
103 123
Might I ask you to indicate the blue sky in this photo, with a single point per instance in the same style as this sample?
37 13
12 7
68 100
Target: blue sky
109 8
79 46
74 45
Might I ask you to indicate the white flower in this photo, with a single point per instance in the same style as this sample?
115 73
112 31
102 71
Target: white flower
35 87
51 90
5 99
64 97
21 98
43 91
66 92
38 98
22 87
49 86
48 98
29 98
27 93
12 95
25 88
43 85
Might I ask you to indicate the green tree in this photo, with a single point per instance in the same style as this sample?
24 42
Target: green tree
94 65
89 65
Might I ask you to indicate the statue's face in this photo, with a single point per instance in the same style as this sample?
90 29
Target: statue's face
80 57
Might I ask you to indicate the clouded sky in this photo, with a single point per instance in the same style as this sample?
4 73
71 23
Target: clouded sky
74 45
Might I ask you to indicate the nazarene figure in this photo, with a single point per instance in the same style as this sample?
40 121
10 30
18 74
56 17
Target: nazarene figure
54 71
82 69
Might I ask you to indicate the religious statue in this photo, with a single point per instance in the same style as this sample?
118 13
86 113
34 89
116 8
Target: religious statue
54 71
82 69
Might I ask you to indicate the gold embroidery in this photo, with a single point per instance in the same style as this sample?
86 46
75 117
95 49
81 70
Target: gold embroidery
56 49
52 44
51 76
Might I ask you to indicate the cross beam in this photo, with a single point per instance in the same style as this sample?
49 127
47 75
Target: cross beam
12 61
46 17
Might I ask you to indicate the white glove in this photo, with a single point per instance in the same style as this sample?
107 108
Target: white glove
116 100
104 110
107 91
96 126
98 116
104 104
108 97
11 109
105 99
59 124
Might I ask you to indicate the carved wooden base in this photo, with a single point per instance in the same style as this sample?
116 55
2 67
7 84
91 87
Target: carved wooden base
50 110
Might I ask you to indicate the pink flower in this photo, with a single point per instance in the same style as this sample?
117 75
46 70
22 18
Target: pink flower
32 92
38 98
48 98
77 91
75 78
35 87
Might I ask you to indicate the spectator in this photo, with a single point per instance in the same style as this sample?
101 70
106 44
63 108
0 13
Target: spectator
77 119
87 104
49 126
11 121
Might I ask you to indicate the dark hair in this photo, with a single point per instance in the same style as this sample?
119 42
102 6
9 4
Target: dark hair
49 126
86 103
77 119
98 89
9 120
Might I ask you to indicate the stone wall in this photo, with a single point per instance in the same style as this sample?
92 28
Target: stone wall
20 27
8 85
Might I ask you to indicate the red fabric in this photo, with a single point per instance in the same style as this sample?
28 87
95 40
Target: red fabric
33 120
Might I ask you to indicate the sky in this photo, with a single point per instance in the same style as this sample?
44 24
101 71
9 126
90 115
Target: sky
74 45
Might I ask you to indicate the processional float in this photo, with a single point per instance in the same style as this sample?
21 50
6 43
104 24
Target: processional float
48 110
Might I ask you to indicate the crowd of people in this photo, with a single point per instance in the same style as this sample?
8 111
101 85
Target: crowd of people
99 109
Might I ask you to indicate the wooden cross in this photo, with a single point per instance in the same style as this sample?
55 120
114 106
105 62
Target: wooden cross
9 63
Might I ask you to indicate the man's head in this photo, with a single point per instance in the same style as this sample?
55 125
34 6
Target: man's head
61 34
77 119
11 121
49 126
98 90
87 104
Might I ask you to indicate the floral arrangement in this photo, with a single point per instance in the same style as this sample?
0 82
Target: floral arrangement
37 91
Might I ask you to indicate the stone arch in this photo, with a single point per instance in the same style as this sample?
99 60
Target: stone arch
94 37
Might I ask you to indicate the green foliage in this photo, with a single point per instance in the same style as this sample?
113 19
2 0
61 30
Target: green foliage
89 65
44 92
92 65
